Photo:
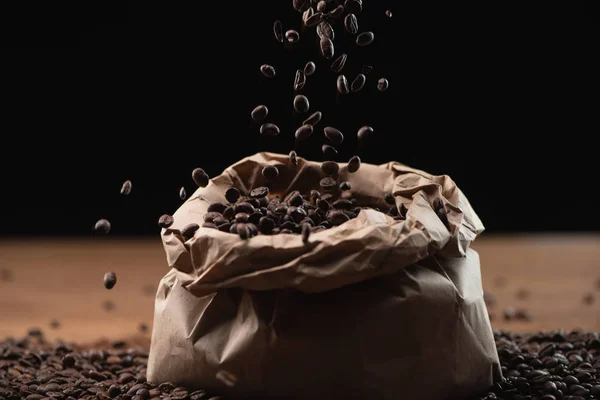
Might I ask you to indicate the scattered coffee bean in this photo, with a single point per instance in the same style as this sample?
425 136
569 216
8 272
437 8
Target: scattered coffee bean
388 13
165 221
342 85
54 324
110 280
354 164
329 151
293 158
345 186
489 299
292 36
333 135
301 104
307 14
327 49
314 19
309 68
366 69
108 306
300 80
260 113
304 132
142 327
337 218
269 129
509 313
321 6
231 195
328 183
313 119
351 24
259 192
339 63
200 177
523 315
126 188
336 12
382 84
188 231
301 5
364 132
102 226
358 83
68 361
325 31
589 298
305 232
353 6
267 70
270 172
227 378
243 231
182 193
389 198
330 168
365 39
278 31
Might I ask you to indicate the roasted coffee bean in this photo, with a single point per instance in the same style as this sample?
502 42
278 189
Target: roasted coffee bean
165 221
305 232
225 227
343 204
314 19
313 119
304 132
333 135
314 195
337 218
309 68
336 12
338 64
351 24
233 228
267 70
278 31
325 31
358 83
266 225
327 49
321 6
365 39
210 225
245 207
229 212
382 84
301 5
330 167
110 280
307 14
182 193
364 132
269 129
327 183
353 6
126 188
298 214
388 13
259 192
366 69
216 207
270 172
243 231
200 177
102 226
354 164
241 217
301 104
232 195
210 216
509 313
329 151
292 36
296 200
389 198
260 113
342 85
345 186
300 80
188 231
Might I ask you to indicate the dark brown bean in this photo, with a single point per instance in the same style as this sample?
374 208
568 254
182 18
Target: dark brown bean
321 6
307 14
188 231
232 194
304 132
301 5
389 198
366 69
210 225
382 84
365 39
327 49
354 164
292 36
314 19
102 226
353 6
165 221
260 113
126 188
333 135
328 183
110 280
345 186
325 31
182 193
305 232
329 151
270 172
338 64
301 104
388 13
364 132
200 177
269 129
313 119
293 158
267 70
211 216
351 24
278 31
266 225
243 231
241 217
309 68
330 167
336 12
299 80
358 83
342 85
337 218
259 192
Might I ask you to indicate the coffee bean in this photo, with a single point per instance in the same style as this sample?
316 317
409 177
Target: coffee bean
327 49
365 39
270 172
307 14
301 5
110 280
364 132
292 36
329 151
225 227
330 167
358 83
278 31
241 217
232 195
388 13
354 164
305 232
382 84
188 231
200 177
325 31
345 186
243 231
182 193
522 293
211 216
108 305
509 313
314 19
343 204
266 225
299 81
102 226
309 68
327 183
260 113
259 192
336 12
142 327
321 6
304 132
337 218
353 6
301 104
333 135
245 207
54 324
165 221
366 69
293 158
342 85
269 129
126 188
389 198
313 119
210 225
523 315
339 63
267 70
351 24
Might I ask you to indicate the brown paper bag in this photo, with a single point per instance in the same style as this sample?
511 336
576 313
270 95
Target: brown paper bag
372 309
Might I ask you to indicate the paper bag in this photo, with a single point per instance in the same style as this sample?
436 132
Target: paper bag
375 308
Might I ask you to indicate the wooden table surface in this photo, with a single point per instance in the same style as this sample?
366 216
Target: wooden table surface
62 279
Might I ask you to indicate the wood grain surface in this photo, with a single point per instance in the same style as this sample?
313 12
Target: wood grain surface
61 279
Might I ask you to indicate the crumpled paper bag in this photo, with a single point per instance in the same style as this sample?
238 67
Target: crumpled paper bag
372 309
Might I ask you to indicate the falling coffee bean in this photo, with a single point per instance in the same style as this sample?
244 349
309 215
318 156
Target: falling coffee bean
354 164
305 233
309 68
304 132
389 198
259 192
364 132
299 81
267 70
200 177
330 167
382 84
321 6
339 63
324 30
307 14
143 327
292 36
102 226
301 104
327 183
54 324
110 280
293 158
182 193
108 305
269 129
336 12
313 119
589 298
126 188
351 24
232 195
333 135
358 83
365 39
260 113
329 151
278 31
314 20
345 186
327 49
270 172
188 231
243 231
301 5
165 221
353 6
342 85
388 13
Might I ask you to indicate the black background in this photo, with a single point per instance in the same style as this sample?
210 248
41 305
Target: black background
496 95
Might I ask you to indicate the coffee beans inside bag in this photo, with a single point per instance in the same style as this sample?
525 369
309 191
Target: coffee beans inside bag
381 306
